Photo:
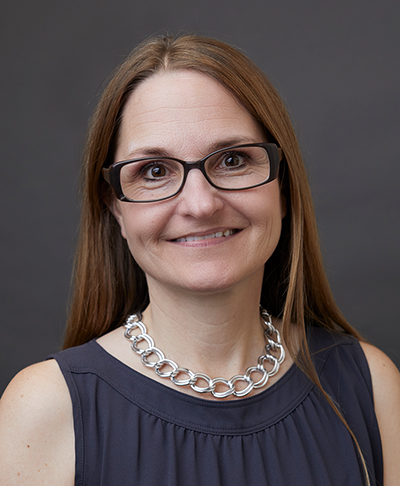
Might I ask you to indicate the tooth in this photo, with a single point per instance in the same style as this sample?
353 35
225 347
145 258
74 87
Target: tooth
218 234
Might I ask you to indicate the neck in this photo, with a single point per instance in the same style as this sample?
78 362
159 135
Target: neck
219 334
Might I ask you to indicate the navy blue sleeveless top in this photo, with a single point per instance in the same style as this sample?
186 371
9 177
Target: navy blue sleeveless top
132 430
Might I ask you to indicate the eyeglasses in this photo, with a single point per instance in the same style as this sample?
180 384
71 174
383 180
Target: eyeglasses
236 168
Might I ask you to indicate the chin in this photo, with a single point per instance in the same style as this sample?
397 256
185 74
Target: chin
201 285
207 287
214 280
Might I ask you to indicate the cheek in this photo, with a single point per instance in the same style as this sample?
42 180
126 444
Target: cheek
283 206
267 217
133 231
141 230
269 208
133 219
135 236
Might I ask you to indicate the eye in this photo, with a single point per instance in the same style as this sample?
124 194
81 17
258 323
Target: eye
155 171
232 160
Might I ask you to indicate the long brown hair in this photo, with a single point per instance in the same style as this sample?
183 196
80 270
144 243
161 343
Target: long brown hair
108 283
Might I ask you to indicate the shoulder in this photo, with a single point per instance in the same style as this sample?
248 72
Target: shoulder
36 388
386 387
384 374
36 427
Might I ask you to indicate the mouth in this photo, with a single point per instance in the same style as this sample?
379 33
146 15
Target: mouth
217 234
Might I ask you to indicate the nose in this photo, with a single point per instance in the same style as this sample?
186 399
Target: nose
198 197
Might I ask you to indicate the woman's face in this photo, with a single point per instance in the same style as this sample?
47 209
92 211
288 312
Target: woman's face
188 115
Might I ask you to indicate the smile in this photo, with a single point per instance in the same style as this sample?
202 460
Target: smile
218 234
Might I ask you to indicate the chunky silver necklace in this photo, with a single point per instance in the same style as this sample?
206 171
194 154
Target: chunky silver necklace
134 322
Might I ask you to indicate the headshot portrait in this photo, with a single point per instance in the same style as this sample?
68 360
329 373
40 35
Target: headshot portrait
200 244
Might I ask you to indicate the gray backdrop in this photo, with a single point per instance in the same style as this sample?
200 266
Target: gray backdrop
336 65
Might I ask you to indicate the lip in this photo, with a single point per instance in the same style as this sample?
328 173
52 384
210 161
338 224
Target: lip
206 236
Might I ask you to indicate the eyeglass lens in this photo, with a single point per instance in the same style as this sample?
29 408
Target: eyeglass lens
158 178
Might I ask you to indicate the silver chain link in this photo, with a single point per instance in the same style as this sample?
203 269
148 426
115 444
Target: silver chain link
134 322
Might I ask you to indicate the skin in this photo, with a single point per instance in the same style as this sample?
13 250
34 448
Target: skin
215 284
187 115
386 386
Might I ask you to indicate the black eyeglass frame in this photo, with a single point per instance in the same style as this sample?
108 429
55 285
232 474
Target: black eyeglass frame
111 174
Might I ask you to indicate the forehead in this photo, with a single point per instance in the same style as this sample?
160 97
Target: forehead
183 110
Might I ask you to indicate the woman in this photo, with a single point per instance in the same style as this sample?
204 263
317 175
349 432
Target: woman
196 209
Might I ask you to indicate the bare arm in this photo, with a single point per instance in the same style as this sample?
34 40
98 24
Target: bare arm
386 386
36 429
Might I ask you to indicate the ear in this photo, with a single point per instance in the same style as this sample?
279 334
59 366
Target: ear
115 209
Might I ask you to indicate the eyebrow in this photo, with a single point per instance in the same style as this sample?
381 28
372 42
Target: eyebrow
161 152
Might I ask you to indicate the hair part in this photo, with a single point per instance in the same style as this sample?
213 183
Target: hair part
108 283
